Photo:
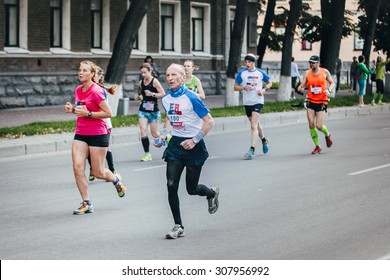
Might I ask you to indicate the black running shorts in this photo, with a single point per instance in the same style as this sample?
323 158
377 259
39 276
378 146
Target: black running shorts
94 140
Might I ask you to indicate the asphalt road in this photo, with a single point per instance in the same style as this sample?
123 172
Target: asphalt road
285 205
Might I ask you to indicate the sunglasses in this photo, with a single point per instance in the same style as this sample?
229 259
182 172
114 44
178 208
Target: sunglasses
311 62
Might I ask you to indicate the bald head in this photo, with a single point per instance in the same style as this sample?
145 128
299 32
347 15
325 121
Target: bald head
179 69
175 75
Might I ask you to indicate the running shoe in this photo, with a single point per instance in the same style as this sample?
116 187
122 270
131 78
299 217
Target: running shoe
214 202
116 174
373 103
381 103
265 145
328 140
83 209
177 231
121 189
250 154
91 177
317 150
146 157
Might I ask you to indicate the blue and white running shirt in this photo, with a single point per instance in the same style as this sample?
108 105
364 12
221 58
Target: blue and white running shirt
185 111
254 79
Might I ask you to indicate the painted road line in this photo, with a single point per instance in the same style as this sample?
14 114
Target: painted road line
369 169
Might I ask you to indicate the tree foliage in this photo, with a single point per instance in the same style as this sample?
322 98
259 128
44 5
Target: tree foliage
374 25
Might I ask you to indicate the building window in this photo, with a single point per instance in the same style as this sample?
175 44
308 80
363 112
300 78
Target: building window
306 44
11 10
358 42
252 32
167 20
231 20
135 45
197 17
96 25
56 23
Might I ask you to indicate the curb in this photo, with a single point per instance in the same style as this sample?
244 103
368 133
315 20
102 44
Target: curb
63 142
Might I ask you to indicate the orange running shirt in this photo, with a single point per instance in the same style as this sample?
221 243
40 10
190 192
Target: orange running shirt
316 84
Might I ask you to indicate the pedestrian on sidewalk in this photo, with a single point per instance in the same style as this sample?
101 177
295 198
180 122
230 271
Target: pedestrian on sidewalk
91 136
363 73
99 79
188 121
192 82
249 81
380 76
149 90
338 67
149 59
294 78
354 73
318 94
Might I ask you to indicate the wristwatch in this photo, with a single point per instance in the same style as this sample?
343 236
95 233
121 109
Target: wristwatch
89 114
154 94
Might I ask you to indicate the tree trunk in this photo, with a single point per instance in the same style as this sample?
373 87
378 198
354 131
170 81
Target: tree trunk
372 15
333 15
284 90
123 46
232 97
124 41
263 40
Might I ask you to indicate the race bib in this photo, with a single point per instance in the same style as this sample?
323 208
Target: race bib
316 89
176 121
148 105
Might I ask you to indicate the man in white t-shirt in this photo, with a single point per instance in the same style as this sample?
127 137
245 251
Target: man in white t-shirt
294 77
250 81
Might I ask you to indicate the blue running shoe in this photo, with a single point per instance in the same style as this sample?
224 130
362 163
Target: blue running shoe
265 145
250 154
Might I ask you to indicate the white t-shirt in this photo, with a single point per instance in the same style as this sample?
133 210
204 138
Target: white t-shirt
254 79
185 111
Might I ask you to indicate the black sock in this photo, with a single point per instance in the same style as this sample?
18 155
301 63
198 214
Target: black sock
145 144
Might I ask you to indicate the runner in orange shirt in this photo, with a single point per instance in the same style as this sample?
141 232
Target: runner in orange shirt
316 79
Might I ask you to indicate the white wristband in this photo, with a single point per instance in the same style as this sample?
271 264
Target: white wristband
199 136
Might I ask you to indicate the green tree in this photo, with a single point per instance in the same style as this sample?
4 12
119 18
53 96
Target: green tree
374 26
367 24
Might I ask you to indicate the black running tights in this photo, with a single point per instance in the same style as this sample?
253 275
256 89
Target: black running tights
174 171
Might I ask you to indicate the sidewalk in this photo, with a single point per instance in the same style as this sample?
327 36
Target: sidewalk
22 116
61 142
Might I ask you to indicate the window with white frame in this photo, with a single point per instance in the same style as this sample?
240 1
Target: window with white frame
11 23
167 27
197 18
56 23
96 24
